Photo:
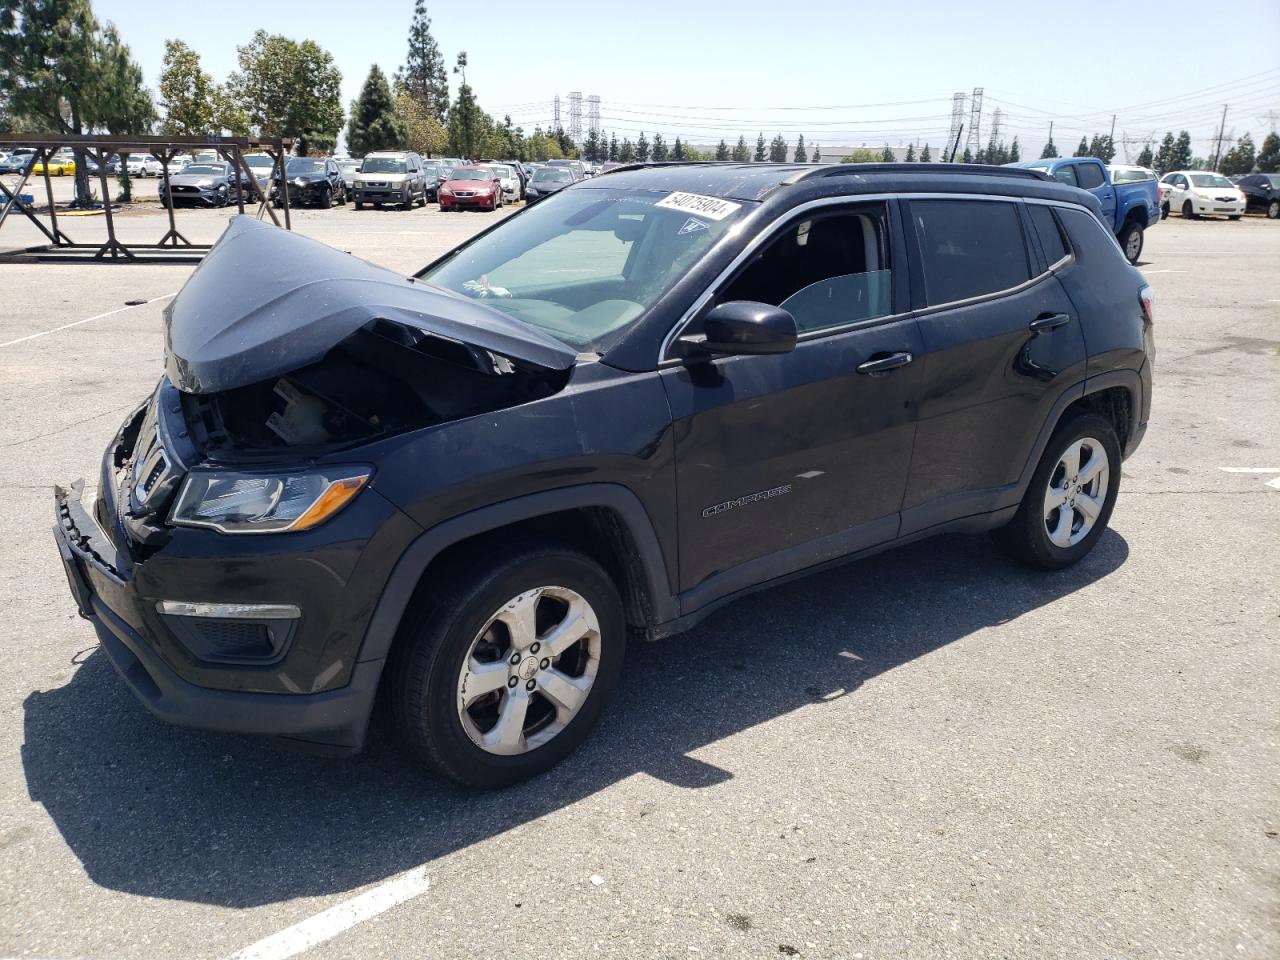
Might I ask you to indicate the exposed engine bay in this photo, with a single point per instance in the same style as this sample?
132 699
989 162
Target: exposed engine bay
384 379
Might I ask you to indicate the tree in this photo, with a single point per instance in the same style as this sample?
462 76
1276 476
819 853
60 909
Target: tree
817 153
1015 152
659 150
741 152
1101 147
466 128
968 156
1083 149
186 93
678 151
760 153
61 71
1181 158
887 155
613 146
642 148
926 155
289 89
778 150
375 124
424 75
1164 155
1050 150
722 150
1269 155
591 145
626 153
911 153
1145 158
423 132
862 155
1240 158
802 153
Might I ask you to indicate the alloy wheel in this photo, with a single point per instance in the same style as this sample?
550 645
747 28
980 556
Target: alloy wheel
1133 245
1077 491
1273 210
529 670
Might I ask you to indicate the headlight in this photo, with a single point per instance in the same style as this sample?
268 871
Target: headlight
299 182
266 503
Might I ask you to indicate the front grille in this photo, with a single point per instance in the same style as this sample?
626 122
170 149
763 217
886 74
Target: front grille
183 188
464 193
374 184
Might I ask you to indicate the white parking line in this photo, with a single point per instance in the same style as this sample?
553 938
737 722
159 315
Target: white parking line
1250 469
76 323
329 923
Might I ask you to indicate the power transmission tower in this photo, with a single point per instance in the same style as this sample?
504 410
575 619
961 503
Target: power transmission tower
593 114
957 119
555 123
973 142
995 126
575 116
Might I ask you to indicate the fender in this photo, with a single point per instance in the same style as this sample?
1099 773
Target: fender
413 562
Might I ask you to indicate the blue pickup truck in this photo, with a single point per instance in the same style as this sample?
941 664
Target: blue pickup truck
1130 206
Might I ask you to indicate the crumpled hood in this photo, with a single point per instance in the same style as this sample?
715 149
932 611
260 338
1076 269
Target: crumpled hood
266 301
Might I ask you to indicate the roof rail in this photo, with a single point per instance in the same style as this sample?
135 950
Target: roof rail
964 169
646 164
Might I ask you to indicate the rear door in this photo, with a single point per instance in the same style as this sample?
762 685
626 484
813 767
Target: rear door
789 460
1001 342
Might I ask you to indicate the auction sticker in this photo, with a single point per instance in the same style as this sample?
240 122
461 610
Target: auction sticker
713 208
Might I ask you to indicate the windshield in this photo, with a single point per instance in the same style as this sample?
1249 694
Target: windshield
206 169
1210 180
502 171
552 175
266 163
470 173
1131 175
382 165
305 165
587 263
349 166
1272 181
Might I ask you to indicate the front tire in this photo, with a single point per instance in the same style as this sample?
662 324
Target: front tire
501 673
1131 237
1188 212
1273 210
326 199
1070 498
1164 211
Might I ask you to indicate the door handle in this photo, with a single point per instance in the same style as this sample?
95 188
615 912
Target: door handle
1049 321
886 363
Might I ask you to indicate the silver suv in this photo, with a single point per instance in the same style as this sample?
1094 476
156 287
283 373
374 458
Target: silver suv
391 177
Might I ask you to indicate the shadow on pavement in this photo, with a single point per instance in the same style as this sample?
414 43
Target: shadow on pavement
165 812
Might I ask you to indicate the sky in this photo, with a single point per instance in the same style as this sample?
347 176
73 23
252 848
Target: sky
841 73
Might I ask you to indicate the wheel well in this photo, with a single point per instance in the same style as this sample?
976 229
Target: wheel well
599 532
1138 215
1114 403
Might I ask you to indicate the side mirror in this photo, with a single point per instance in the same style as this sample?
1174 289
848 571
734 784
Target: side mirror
744 327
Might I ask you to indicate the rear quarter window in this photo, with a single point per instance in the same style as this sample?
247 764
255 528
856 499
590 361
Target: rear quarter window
1049 233
1089 175
969 248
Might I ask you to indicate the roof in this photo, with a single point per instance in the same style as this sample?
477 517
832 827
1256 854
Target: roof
755 181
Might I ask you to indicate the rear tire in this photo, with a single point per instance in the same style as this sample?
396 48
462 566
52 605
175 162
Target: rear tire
1131 237
1067 504
1236 217
460 627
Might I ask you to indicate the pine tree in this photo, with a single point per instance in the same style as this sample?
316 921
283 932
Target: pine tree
424 75
802 154
968 156
926 155
591 146
817 153
677 150
1240 158
465 117
1083 149
186 93
613 146
778 150
1050 150
374 123
722 151
658 152
1015 153
642 148
741 152
1269 154
1181 158
760 152
1164 155
627 152
887 155
1145 158
911 153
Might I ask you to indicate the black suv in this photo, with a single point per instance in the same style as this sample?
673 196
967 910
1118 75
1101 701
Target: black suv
605 416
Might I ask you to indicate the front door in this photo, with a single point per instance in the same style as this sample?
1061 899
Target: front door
788 460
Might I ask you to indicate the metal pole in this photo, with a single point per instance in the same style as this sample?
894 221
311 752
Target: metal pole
43 154
239 191
1222 129
112 244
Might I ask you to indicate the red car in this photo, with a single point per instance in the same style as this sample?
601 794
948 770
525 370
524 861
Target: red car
471 186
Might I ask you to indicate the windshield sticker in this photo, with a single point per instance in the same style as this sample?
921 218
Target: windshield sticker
691 226
713 208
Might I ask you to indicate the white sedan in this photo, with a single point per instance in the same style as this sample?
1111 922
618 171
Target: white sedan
144 165
510 182
1197 193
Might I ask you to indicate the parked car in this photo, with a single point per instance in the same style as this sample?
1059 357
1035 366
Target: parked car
432 174
476 187
606 416
508 179
208 184
391 178
262 166
349 168
58 165
546 181
1130 207
574 166
18 161
1197 193
311 180
145 165
176 165
1261 193
113 165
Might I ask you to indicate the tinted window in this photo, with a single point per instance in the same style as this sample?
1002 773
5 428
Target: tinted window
1089 175
1066 174
969 248
826 271
1050 234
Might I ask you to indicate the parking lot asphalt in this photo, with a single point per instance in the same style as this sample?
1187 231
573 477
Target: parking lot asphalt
930 753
